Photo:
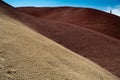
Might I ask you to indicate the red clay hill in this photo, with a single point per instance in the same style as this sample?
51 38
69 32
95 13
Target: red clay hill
100 48
90 18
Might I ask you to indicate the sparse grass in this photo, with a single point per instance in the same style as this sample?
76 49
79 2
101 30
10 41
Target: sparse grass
34 57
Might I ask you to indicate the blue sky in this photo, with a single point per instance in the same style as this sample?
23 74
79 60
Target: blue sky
105 5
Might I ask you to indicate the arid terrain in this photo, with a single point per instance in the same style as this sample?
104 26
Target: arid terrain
28 49
91 33
85 17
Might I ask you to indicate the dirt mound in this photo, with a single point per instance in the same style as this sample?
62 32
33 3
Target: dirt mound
90 18
27 55
102 49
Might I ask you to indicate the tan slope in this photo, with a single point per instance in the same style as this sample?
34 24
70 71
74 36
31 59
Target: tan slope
27 55
90 18
102 49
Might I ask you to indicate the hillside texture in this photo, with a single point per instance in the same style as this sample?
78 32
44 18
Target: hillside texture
96 20
27 55
100 48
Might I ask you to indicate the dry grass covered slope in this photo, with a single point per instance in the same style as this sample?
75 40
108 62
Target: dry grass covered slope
102 49
27 55
90 18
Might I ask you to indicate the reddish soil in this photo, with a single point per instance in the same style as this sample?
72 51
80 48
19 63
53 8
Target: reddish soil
100 48
90 18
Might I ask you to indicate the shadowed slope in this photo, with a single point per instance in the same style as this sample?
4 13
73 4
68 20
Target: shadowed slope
27 55
100 48
90 18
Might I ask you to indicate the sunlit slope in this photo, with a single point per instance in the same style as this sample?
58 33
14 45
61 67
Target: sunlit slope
27 55
102 49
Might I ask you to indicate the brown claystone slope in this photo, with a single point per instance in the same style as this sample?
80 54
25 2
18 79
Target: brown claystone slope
90 18
27 55
102 49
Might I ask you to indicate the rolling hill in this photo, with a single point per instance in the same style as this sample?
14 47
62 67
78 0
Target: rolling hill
28 55
100 48
99 21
